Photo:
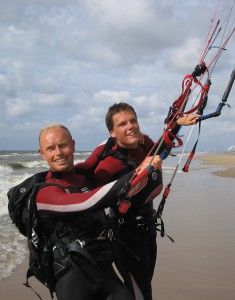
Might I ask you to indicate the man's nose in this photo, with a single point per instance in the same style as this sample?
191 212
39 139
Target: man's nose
129 125
58 150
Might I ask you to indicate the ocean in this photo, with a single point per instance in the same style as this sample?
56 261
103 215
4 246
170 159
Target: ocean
14 168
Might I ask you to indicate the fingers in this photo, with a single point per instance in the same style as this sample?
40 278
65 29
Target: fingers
188 120
156 162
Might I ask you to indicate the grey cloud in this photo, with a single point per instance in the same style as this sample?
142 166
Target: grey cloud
68 61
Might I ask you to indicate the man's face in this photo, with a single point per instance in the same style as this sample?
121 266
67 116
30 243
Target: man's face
57 148
126 129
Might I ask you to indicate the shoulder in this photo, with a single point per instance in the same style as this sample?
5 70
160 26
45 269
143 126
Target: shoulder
92 160
147 141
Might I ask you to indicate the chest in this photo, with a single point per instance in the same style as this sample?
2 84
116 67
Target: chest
117 164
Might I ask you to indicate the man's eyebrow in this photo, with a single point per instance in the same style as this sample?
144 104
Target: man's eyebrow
134 119
121 123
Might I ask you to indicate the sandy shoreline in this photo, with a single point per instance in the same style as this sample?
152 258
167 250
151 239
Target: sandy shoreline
200 217
222 159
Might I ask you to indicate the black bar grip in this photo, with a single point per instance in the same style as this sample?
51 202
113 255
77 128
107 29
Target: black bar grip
229 87
222 103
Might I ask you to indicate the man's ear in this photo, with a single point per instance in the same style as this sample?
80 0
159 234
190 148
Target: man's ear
73 141
112 134
41 153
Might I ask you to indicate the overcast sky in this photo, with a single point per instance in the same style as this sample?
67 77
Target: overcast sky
67 61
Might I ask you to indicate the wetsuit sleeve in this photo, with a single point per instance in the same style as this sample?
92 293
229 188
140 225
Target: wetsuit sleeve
58 200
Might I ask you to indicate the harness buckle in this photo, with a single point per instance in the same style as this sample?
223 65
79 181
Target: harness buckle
80 243
106 234
121 221
110 234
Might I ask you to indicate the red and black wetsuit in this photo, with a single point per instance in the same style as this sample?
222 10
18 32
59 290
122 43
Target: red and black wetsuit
81 234
137 232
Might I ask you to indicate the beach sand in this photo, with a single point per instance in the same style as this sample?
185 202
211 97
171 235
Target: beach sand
199 215
226 160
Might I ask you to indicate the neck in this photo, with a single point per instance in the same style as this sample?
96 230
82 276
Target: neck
127 147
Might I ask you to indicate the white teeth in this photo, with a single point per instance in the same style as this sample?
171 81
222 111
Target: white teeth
61 160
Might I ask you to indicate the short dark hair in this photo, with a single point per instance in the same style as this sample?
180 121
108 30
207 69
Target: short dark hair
113 110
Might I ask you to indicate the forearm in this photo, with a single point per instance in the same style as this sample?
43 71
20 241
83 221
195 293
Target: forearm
57 201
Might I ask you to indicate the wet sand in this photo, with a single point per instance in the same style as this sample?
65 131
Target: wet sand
199 215
226 160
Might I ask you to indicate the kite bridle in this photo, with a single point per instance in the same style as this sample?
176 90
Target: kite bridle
169 138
